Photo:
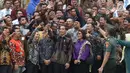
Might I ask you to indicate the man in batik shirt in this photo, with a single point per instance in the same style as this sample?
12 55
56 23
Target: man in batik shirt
5 59
17 52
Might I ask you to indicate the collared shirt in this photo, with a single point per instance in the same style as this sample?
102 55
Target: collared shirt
15 22
110 46
73 33
5 57
46 49
84 27
17 52
24 29
4 12
34 52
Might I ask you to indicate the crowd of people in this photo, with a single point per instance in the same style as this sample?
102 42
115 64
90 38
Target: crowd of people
65 36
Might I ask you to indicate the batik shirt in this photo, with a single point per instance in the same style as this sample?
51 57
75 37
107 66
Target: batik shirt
17 52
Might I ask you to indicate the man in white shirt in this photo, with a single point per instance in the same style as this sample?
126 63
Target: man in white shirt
74 31
19 14
89 21
7 10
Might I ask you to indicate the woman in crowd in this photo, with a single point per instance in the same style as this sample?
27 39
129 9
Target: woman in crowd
81 53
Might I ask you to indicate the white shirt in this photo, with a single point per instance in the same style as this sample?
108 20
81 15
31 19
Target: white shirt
4 12
84 27
115 14
73 33
126 3
15 22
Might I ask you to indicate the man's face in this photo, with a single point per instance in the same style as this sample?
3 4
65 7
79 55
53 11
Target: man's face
62 30
6 32
69 22
125 14
44 7
74 3
76 24
60 5
103 3
89 27
126 23
89 20
86 17
103 10
61 22
9 20
52 14
59 14
16 3
73 12
19 14
36 15
102 21
17 33
94 9
8 4
23 21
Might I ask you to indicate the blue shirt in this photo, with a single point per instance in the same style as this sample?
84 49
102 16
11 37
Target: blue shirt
31 7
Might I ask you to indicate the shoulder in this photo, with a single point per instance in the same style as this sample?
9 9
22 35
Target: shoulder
70 30
3 10
10 9
12 42
87 42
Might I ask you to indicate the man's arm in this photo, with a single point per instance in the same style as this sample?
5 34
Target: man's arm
106 56
123 43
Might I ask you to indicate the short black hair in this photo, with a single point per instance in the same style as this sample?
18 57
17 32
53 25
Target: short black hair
59 10
71 9
128 7
112 31
5 27
63 26
18 11
22 17
88 13
41 4
15 1
103 17
7 15
6 1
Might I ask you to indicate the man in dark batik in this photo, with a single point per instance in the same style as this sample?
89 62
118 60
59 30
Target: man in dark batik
63 52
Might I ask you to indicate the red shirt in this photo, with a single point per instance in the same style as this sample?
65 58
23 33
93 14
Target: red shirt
17 52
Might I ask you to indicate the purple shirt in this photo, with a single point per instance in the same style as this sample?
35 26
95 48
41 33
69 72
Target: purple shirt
77 47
